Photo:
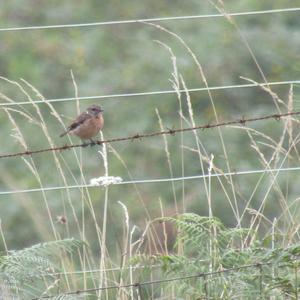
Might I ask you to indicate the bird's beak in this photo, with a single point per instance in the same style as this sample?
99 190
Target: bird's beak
101 110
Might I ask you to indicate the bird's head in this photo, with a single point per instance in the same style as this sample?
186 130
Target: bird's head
94 110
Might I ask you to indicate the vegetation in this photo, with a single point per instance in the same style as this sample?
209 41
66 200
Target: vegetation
213 262
28 273
223 264
182 227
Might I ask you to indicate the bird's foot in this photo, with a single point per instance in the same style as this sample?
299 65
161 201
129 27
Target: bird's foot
92 143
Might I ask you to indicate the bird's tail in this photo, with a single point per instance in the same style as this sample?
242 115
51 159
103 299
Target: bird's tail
64 133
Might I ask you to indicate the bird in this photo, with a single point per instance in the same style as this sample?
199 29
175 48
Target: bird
87 124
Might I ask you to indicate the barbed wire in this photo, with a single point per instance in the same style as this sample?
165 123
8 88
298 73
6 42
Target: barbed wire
155 180
139 136
165 280
159 19
153 93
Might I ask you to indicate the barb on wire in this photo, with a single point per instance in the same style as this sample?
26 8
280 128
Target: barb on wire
153 93
138 136
153 282
247 13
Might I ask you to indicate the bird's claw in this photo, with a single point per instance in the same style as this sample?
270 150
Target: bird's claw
92 143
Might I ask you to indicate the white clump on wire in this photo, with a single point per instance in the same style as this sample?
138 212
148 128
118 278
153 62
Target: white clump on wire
105 180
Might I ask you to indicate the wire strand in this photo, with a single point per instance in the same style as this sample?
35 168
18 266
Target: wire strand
162 92
122 22
138 136
156 180
165 280
80 272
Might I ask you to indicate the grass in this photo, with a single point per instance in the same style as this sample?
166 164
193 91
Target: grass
164 241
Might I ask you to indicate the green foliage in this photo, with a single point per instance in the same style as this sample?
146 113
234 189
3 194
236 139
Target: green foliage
124 58
27 273
228 264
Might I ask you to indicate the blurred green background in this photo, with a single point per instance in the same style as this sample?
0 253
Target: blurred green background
124 58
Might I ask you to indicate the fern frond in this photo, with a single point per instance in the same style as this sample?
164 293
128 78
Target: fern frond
22 271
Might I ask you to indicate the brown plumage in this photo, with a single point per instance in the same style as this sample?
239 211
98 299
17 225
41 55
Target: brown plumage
87 124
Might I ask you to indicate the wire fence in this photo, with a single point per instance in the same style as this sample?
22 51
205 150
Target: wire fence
139 136
153 93
160 19
152 180
203 275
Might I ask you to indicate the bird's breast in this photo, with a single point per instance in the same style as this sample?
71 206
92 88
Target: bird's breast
89 128
98 122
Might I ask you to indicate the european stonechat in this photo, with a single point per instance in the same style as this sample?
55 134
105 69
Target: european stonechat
87 124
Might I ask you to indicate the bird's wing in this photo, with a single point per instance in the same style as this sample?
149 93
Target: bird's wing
79 120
